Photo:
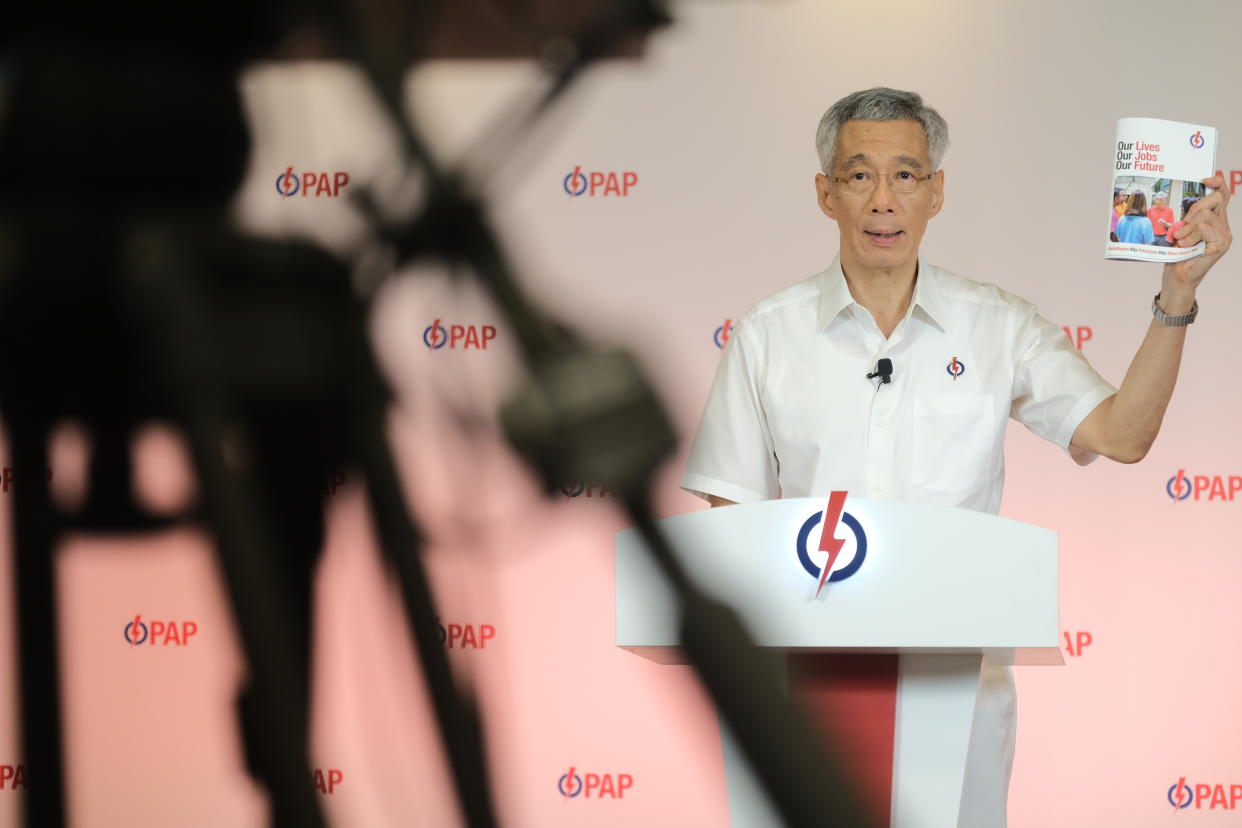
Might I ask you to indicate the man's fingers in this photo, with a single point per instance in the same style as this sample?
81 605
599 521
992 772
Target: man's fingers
1191 227
1212 229
1192 232
1211 201
1217 183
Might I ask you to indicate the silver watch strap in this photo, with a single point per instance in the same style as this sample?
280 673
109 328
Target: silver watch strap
1173 321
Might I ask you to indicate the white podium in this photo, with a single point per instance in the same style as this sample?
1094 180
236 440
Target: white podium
943 588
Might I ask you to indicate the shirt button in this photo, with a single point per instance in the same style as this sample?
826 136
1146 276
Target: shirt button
882 423
880 487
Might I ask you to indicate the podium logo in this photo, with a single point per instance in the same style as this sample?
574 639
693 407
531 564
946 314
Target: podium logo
1183 795
836 567
571 785
721 336
1182 486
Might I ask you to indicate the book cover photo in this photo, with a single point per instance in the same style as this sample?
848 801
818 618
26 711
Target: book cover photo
1158 167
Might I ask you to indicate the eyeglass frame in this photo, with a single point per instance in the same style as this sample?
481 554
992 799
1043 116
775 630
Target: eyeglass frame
919 179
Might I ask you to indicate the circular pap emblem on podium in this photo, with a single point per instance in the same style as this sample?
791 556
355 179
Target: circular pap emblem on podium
850 565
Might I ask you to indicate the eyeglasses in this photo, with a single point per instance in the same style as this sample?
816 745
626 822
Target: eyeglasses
861 182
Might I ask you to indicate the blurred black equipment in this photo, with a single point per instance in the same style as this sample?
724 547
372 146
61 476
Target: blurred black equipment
125 298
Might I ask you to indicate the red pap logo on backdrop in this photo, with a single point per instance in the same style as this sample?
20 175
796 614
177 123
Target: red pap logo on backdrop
8 477
594 785
721 336
1182 486
159 633
1233 178
329 184
333 482
1183 795
1076 642
12 777
325 781
597 183
1078 336
465 636
437 335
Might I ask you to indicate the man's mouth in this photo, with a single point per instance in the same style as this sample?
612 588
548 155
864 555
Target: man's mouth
891 235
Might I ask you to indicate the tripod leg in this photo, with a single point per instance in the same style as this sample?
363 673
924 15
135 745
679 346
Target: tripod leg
277 678
34 536
174 317
288 479
402 544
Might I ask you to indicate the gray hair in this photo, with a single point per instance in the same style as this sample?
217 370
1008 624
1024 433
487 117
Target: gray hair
880 104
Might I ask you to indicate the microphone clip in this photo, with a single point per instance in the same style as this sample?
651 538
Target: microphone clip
883 370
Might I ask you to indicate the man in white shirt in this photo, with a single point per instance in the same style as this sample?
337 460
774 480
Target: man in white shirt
792 413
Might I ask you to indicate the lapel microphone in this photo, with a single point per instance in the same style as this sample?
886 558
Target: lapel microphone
883 370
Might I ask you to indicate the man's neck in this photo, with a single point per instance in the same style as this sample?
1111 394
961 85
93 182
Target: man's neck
886 293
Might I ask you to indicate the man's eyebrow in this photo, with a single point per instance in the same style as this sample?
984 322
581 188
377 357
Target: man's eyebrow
854 161
861 158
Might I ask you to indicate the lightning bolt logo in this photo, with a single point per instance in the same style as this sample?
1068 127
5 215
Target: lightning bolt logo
287 183
572 181
568 786
1177 797
827 542
1177 485
804 545
435 332
131 631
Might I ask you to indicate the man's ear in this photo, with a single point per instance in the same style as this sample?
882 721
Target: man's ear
821 193
937 185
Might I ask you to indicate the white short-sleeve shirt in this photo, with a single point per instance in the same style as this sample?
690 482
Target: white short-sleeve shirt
791 413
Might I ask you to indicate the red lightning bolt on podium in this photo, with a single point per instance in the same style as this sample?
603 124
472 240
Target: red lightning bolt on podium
828 543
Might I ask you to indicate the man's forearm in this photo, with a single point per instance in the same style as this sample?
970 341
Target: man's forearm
1135 414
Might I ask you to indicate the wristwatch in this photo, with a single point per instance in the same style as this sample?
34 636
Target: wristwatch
1173 321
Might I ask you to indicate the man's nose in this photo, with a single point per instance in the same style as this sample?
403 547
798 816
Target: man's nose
883 198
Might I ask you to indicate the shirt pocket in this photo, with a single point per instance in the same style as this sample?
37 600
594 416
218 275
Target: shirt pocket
954 443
